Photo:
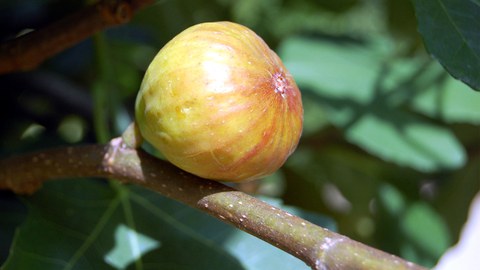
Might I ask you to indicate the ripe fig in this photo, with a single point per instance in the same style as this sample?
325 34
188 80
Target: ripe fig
217 102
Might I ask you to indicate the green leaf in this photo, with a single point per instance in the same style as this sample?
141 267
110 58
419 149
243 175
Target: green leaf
392 200
449 100
450 30
90 225
335 69
363 96
314 118
407 140
426 229
412 229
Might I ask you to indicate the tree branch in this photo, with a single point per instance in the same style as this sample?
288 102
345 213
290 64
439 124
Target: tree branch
316 246
27 51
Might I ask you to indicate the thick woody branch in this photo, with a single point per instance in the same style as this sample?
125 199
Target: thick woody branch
27 51
318 247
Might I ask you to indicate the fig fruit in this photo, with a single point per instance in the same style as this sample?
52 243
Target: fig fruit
217 102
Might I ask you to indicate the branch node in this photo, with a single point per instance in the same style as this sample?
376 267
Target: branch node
116 12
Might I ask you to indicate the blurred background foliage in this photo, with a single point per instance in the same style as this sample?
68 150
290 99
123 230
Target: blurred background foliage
389 156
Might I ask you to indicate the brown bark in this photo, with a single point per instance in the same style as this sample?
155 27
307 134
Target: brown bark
316 246
28 51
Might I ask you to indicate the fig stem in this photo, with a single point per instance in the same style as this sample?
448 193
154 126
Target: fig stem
132 136
316 246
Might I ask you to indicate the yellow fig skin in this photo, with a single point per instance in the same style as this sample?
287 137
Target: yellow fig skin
217 102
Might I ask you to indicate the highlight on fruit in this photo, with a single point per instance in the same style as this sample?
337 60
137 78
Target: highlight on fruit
217 102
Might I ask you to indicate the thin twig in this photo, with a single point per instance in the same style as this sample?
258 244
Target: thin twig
28 51
318 247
